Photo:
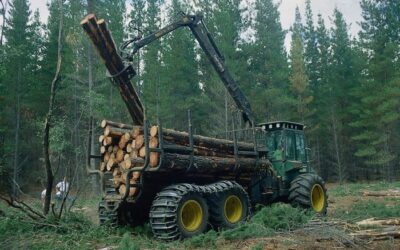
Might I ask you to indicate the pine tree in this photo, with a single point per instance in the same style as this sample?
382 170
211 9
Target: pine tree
341 80
311 54
151 55
137 26
298 76
269 64
378 119
319 121
180 82
224 23
18 61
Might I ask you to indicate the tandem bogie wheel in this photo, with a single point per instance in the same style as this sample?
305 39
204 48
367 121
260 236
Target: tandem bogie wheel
233 209
192 216
185 210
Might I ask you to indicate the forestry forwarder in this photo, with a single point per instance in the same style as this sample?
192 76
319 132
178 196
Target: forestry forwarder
183 182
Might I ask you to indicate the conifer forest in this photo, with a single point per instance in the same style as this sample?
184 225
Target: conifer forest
55 92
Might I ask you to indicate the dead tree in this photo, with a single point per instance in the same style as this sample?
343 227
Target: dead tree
47 123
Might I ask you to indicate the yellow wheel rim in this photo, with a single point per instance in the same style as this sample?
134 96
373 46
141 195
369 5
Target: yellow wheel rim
191 215
317 198
233 209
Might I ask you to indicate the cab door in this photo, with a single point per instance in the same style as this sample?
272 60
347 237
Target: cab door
295 154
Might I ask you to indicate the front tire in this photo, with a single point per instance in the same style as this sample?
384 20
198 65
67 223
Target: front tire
309 191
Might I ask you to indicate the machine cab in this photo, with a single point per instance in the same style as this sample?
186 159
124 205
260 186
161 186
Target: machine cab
285 143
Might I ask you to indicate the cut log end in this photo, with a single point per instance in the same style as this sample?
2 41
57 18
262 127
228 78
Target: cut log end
101 138
87 17
135 132
139 141
103 123
153 131
101 21
154 159
122 190
142 152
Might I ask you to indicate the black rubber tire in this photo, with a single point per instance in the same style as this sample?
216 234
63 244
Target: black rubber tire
165 219
217 201
300 192
203 203
106 217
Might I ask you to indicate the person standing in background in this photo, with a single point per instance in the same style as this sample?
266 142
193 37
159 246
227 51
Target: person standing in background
62 189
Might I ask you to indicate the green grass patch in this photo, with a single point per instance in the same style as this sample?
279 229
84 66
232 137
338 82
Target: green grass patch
269 219
369 208
76 231
354 189
206 240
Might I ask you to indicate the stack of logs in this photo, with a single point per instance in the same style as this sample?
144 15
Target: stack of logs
123 148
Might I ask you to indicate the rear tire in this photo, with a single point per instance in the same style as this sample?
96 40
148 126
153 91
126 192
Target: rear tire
309 191
229 206
179 211
108 216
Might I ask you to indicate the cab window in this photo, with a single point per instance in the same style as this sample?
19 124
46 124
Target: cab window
300 149
290 146
295 149
274 140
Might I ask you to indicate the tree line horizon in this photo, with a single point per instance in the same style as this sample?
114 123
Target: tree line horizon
345 90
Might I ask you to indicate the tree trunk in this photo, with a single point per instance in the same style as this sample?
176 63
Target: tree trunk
47 123
3 13
94 177
76 131
226 115
17 128
340 166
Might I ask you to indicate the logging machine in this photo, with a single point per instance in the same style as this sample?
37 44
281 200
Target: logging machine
184 183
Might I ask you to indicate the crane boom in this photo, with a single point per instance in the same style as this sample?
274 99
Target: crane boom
207 43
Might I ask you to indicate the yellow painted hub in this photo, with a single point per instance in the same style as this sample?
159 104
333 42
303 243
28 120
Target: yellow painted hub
191 215
233 209
317 198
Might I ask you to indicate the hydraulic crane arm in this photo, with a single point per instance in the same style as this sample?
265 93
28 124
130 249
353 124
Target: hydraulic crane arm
202 35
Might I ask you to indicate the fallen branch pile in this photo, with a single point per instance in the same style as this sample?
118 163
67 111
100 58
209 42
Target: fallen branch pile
373 222
123 148
23 207
389 192
356 235
375 229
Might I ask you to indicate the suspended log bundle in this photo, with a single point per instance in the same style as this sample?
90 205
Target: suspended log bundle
123 148
105 46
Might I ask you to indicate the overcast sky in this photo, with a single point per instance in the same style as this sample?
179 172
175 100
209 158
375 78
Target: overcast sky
350 9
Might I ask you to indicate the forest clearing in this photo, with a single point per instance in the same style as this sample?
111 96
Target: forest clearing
274 227
181 124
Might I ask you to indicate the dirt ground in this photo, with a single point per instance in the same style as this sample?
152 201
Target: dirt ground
327 232
327 235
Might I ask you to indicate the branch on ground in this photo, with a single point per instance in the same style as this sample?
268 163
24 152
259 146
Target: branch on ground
23 207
